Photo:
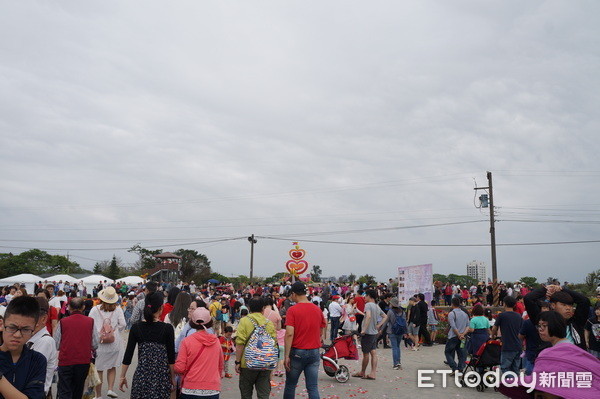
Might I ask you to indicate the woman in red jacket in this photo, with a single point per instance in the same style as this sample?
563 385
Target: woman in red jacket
200 360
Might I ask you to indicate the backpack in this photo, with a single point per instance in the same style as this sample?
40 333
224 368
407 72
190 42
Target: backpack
107 333
399 326
261 351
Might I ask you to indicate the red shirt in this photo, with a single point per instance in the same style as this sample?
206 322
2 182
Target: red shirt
360 303
167 308
519 308
52 315
307 320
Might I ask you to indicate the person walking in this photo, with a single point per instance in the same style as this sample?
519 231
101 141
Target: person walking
200 360
423 313
305 325
459 324
253 378
509 322
335 314
396 330
109 321
76 338
154 376
42 342
369 333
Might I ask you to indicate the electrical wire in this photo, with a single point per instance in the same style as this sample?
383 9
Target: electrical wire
428 245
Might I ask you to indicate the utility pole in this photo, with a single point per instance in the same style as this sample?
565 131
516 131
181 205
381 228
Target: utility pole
492 233
252 242
492 229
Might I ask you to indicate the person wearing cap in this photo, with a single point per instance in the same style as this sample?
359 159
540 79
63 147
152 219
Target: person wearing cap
108 355
304 325
75 338
335 313
200 359
393 313
562 300
42 342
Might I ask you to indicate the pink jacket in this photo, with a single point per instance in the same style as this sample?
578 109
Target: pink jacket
200 361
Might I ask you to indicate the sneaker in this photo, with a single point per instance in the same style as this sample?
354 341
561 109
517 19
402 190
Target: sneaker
111 394
228 375
397 367
274 384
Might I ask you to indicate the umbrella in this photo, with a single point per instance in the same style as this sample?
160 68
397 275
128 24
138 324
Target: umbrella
213 281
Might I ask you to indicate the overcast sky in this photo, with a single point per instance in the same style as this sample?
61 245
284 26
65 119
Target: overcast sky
176 125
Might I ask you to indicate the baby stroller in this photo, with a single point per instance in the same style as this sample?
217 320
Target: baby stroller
342 347
486 358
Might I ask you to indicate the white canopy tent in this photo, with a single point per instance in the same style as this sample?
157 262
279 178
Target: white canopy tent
91 281
28 279
61 277
132 280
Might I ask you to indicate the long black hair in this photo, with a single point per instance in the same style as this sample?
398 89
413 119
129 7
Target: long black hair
180 309
173 292
152 304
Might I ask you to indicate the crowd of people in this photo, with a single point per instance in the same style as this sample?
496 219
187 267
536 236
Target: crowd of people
187 335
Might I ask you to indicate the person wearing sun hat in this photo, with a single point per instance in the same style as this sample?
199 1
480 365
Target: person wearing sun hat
200 359
108 316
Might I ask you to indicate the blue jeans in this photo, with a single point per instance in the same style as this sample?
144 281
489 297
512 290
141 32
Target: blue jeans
510 361
528 366
395 341
335 326
453 346
306 360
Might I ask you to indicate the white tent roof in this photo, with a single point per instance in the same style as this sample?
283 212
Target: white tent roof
132 280
21 278
95 279
61 277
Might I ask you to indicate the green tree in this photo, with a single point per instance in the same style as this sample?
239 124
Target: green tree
146 259
529 281
113 271
36 261
440 277
352 277
366 279
97 268
277 277
240 280
592 280
461 279
316 273
194 265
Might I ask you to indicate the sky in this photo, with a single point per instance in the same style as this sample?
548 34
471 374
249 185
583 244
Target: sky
342 125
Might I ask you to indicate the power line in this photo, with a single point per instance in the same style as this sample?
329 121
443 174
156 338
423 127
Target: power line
127 248
298 238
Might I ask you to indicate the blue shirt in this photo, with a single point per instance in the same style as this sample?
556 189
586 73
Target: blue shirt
28 375
532 340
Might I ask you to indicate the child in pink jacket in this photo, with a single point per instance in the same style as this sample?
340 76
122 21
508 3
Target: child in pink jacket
200 360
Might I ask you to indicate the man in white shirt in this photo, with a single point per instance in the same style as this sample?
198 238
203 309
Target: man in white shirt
335 313
54 300
42 342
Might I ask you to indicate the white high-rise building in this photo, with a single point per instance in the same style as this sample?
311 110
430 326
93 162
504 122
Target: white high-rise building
476 270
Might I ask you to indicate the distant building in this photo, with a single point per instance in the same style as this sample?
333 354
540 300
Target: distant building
477 270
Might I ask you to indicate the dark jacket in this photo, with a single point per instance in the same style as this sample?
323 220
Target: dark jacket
414 315
575 323
423 309
28 375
